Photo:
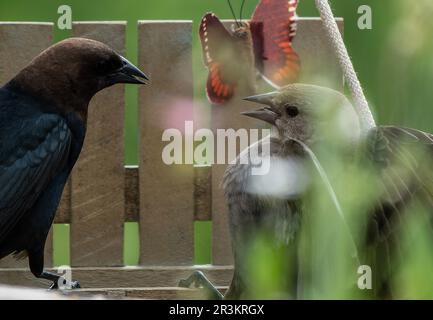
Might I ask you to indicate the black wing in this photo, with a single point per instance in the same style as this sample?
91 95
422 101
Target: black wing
33 150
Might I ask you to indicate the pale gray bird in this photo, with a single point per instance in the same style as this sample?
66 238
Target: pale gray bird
272 203
395 154
302 116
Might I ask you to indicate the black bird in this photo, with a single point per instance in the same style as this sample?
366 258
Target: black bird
43 114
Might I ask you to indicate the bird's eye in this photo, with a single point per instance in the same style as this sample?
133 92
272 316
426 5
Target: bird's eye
292 111
107 66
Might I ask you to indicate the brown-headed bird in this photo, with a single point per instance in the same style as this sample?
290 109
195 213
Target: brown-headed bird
298 114
43 114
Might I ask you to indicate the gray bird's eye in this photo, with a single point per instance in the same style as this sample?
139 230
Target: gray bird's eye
292 111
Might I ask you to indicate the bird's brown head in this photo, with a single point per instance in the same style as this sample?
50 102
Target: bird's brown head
306 112
69 73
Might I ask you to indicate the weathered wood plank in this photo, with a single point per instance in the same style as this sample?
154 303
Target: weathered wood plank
23 293
159 293
202 193
319 66
19 44
132 194
63 214
97 189
227 117
166 192
122 277
224 118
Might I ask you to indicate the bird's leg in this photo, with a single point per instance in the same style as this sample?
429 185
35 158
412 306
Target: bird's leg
36 263
199 280
58 279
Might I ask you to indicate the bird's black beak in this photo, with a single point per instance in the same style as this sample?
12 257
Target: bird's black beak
128 73
268 113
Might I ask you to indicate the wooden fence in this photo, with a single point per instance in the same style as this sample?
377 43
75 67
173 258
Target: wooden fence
103 194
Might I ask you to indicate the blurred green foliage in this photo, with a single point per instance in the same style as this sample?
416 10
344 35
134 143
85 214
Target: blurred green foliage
395 65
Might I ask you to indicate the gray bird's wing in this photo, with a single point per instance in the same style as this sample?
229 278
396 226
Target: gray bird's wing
402 158
263 200
33 150
261 205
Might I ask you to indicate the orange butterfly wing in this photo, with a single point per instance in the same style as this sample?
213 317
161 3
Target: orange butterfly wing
218 53
273 26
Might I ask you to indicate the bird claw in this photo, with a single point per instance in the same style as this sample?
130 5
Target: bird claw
53 286
66 285
199 280
196 279
75 285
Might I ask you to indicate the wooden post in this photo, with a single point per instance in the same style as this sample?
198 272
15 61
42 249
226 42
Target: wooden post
20 42
166 191
202 193
97 183
319 65
132 195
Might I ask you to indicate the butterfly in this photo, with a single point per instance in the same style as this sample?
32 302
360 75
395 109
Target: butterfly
265 43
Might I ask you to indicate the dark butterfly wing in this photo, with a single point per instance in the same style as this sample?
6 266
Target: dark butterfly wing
273 27
218 52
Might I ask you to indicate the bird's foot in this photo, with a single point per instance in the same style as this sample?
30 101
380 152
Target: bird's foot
64 284
198 280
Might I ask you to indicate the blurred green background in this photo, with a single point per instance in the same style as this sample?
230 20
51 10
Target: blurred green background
394 61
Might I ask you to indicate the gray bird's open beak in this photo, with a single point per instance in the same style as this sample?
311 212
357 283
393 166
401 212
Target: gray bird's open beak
266 98
267 114
129 74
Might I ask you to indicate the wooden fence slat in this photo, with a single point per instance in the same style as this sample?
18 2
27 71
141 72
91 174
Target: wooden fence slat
319 66
156 293
132 195
97 187
202 193
166 192
123 277
226 117
63 214
19 44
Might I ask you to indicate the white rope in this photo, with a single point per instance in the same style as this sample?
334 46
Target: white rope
360 102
